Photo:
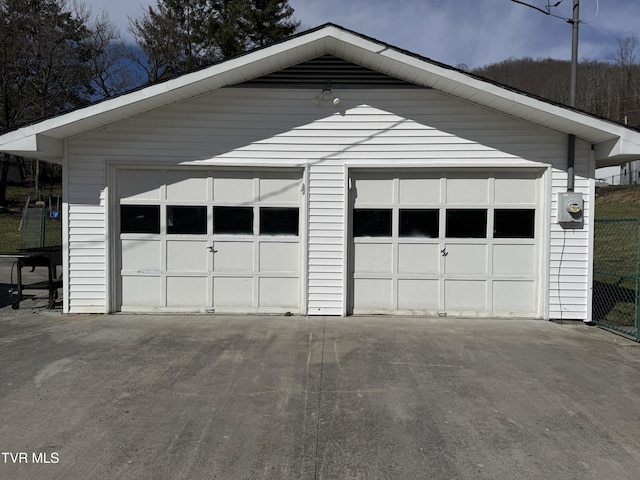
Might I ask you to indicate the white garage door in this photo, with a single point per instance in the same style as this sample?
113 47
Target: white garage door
224 241
447 244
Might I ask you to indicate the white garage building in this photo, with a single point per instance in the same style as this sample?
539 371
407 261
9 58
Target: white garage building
329 174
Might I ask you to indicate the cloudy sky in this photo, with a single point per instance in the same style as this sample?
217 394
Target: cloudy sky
455 32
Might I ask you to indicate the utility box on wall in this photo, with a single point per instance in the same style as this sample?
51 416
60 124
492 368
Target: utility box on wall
570 208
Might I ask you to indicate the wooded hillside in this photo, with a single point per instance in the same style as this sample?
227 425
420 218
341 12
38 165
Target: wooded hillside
607 89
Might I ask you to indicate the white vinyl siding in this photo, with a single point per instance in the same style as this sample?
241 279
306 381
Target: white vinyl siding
87 234
263 127
569 250
326 239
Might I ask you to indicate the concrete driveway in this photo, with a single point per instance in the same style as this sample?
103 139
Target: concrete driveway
222 397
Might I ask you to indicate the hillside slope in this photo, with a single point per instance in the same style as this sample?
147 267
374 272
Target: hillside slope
618 202
609 90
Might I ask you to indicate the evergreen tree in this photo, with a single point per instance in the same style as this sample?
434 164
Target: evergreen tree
228 27
179 36
269 21
173 37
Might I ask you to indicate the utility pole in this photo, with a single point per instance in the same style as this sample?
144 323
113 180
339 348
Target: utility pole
575 21
573 81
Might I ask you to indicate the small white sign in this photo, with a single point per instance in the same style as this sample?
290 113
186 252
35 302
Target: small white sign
148 272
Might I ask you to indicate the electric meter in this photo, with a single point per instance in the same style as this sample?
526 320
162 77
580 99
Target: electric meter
570 207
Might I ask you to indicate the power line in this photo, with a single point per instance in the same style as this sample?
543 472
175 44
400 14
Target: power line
547 10
574 21
596 15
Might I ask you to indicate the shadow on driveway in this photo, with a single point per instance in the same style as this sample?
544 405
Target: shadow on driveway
6 298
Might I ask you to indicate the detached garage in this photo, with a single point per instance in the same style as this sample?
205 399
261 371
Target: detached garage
329 174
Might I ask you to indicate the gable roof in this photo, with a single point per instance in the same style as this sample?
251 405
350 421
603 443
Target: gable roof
613 143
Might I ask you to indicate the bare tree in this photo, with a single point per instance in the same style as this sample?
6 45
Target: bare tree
627 80
109 61
51 60
608 89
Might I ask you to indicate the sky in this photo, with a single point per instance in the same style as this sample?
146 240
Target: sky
471 33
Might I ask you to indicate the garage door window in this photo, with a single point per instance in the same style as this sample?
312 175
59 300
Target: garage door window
139 218
233 220
279 221
514 223
466 223
186 220
372 222
419 223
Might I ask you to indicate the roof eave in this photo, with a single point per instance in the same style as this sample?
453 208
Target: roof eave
37 145
616 151
144 100
613 142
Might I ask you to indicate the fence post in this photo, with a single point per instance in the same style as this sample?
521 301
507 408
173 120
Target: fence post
43 226
637 281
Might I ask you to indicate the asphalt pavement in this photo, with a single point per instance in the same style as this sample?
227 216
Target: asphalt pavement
266 397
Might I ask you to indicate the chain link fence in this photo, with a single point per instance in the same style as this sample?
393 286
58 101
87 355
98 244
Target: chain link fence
616 275
40 228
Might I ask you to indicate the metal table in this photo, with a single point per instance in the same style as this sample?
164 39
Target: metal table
49 257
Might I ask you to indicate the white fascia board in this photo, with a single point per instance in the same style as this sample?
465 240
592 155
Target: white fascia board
157 96
485 93
68 124
35 146
339 42
619 150
340 38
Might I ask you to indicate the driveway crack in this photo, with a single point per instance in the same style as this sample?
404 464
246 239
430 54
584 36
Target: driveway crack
315 468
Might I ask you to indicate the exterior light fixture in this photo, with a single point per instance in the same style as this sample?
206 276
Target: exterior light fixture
326 95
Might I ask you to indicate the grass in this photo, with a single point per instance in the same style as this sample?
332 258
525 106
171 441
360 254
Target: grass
616 246
616 257
616 242
11 215
620 201
10 236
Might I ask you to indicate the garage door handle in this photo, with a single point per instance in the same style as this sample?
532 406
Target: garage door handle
444 252
212 250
